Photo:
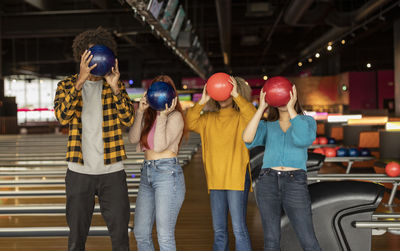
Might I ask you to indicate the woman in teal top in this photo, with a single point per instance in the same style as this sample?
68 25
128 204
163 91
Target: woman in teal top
282 183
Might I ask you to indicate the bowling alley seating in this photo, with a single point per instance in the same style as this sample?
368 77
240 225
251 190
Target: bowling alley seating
336 207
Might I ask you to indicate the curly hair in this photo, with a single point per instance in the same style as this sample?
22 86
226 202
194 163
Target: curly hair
98 36
243 89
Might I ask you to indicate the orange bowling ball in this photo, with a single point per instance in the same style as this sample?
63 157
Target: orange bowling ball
218 86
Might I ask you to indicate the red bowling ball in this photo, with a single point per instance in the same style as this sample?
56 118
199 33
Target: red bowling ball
330 152
392 169
319 150
323 140
218 86
277 91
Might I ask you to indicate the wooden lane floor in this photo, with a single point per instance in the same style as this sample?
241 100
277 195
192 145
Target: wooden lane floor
194 228
23 157
59 200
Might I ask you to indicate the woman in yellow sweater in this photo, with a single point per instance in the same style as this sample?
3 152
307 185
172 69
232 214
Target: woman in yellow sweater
225 159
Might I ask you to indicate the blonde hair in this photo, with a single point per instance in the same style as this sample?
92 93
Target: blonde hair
243 89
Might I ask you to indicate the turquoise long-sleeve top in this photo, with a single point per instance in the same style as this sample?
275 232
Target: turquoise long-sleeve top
285 149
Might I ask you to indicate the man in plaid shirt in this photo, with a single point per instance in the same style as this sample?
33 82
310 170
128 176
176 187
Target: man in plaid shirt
95 108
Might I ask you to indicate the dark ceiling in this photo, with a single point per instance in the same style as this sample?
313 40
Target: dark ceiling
258 37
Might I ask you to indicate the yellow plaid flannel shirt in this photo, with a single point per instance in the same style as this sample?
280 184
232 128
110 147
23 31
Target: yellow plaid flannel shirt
117 110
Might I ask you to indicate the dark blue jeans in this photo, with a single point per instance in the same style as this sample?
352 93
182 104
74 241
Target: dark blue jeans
275 190
236 203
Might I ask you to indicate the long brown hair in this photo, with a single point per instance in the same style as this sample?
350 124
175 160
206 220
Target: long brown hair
273 112
150 114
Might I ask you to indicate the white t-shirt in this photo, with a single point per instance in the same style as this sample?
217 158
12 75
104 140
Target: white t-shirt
92 133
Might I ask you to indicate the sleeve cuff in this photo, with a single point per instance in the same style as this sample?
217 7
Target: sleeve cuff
162 118
248 145
297 118
199 107
239 98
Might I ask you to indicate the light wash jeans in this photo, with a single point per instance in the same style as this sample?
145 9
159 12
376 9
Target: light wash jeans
235 202
160 197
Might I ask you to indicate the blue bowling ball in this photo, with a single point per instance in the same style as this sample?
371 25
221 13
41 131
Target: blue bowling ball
159 94
331 141
353 152
104 58
342 152
365 152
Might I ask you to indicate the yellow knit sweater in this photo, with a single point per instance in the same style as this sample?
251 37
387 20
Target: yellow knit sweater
225 156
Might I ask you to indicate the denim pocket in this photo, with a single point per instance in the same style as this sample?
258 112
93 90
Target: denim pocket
169 168
179 181
299 177
262 173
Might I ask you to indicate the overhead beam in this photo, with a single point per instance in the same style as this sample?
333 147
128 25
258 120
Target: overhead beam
224 9
39 4
296 10
65 25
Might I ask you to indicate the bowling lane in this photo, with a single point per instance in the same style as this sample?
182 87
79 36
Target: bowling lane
43 221
54 200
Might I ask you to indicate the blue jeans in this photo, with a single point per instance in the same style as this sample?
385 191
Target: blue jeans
236 203
287 189
160 197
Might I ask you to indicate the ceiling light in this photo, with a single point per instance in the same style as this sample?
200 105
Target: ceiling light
343 41
369 65
265 77
317 55
299 64
310 60
329 47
